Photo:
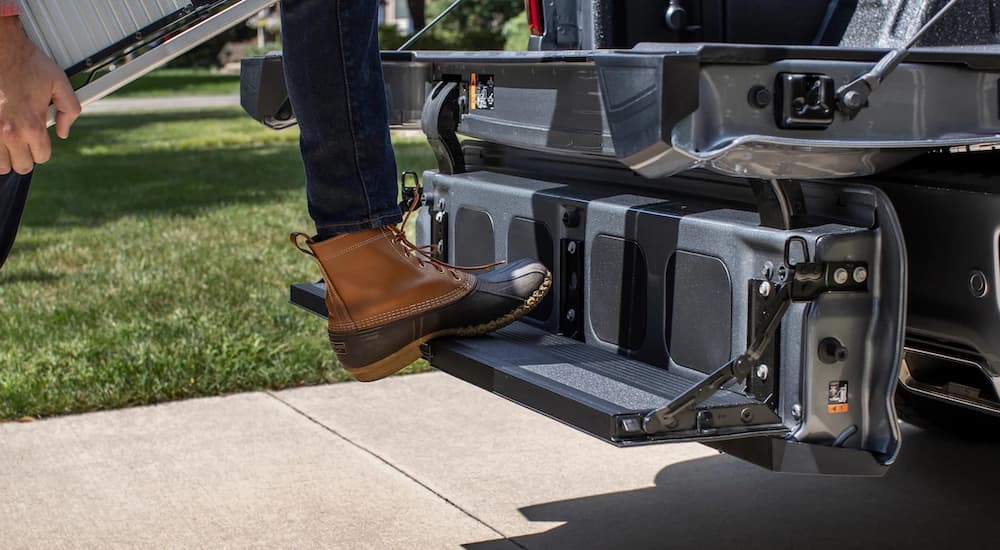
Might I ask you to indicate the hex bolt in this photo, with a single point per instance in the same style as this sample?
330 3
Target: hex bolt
852 100
439 217
797 411
571 247
860 274
571 315
764 289
782 273
840 276
762 371
746 415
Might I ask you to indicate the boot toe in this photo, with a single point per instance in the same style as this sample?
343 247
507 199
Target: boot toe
516 280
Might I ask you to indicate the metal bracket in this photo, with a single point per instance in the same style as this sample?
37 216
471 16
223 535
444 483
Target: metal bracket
780 203
571 297
440 118
410 193
803 282
853 96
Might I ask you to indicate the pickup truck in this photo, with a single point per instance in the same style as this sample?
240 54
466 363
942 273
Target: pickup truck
769 223
766 220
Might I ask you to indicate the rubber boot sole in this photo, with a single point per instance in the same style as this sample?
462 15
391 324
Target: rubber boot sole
409 353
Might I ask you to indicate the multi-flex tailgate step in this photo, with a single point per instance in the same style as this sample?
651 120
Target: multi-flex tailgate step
596 391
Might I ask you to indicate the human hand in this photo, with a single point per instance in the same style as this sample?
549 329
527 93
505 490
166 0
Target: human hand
29 83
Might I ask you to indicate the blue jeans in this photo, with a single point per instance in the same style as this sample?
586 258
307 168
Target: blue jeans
334 77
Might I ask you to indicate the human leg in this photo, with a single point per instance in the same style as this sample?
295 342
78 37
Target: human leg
385 296
334 76
13 194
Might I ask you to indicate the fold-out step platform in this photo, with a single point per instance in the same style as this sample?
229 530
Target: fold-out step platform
596 391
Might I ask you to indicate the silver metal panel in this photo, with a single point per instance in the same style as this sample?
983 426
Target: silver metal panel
70 31
100 23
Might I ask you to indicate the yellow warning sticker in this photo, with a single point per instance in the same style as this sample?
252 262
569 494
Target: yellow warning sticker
472 92
834 409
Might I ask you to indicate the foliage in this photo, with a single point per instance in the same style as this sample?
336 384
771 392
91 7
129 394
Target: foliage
205 55
153 264
181 82
516 33
474 25
488 15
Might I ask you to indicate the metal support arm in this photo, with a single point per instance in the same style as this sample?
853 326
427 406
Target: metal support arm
804 282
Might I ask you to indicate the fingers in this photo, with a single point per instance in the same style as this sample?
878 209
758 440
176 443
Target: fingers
5 167
39 145
20 157
68 106
14 152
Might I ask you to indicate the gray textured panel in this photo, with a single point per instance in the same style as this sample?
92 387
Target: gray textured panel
890 23
702 312
618 291
475 243
532 239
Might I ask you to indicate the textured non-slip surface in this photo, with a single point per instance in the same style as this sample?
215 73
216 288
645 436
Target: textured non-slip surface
628 384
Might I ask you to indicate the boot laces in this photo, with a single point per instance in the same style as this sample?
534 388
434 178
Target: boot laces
426 254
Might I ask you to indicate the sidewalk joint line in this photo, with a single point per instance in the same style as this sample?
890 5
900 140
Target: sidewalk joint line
394 467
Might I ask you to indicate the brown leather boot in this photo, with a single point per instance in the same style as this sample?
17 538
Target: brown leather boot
386 297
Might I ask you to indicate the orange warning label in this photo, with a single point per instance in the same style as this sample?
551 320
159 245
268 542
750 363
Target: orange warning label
834 409
472 92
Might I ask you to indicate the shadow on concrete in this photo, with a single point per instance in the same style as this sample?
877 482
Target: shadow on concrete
942 493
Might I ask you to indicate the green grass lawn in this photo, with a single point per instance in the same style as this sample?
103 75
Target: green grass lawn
177 82
153 264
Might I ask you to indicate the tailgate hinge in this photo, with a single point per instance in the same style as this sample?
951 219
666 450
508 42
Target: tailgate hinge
802 282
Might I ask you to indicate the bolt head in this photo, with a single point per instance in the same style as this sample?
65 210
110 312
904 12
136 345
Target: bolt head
840 276
860 274
571 247
852 100
571 315
764 289
439 217
746 415
762 372
797 411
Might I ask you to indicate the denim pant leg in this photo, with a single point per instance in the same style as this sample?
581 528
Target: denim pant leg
334 77
13 194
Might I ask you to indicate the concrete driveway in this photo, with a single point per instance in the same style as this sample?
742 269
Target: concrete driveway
427 461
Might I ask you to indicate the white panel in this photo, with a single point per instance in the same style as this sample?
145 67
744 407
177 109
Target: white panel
70 31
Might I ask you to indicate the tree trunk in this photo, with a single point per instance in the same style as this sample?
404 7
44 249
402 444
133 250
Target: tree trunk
418 13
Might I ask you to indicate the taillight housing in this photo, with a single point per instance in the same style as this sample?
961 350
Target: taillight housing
536 21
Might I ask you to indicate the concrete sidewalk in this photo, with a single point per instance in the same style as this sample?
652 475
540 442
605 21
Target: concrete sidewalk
427 461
